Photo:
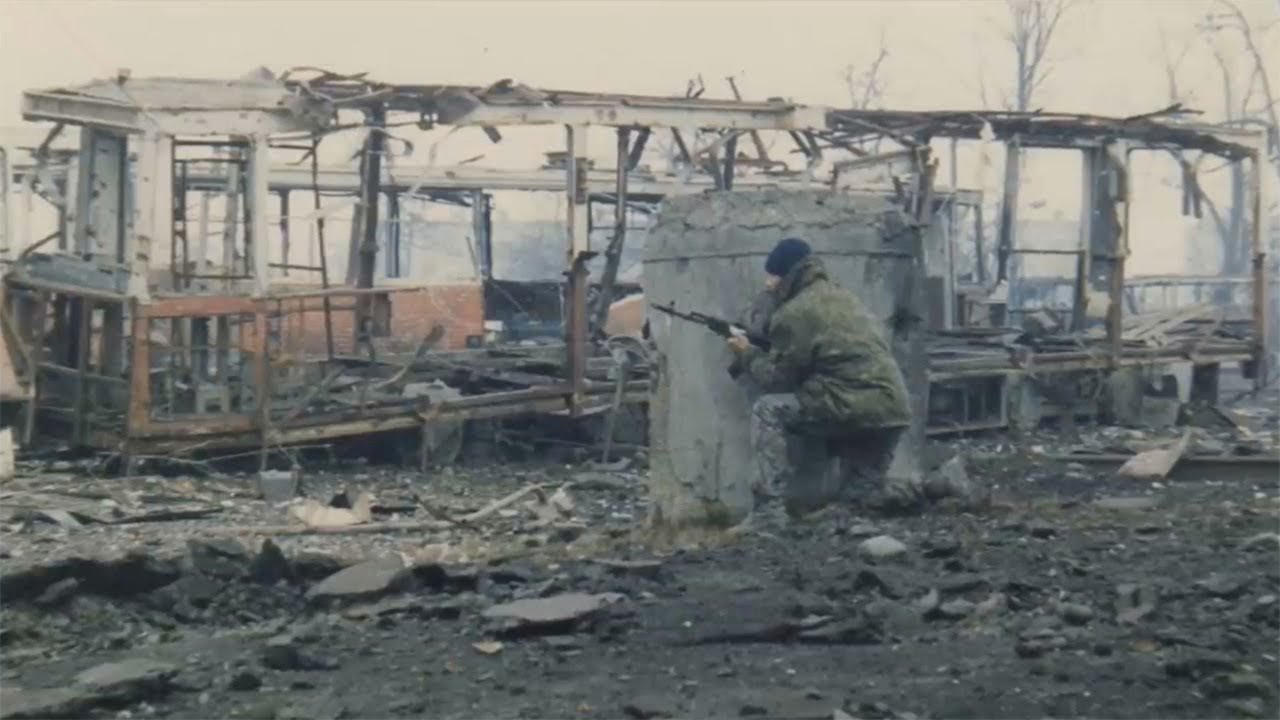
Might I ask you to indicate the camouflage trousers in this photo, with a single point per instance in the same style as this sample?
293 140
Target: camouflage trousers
807 464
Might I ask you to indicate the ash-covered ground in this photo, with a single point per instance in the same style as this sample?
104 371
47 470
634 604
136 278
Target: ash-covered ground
1068 592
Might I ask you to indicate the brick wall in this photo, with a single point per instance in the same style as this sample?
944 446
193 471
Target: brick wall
459 308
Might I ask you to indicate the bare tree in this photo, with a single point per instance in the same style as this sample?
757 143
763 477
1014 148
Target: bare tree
1032 25
1234 20
866 88
1239 107
1195 198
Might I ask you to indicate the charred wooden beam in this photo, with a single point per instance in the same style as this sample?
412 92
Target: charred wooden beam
371 187
637 148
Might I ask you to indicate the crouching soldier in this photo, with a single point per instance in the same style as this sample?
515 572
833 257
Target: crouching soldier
829 377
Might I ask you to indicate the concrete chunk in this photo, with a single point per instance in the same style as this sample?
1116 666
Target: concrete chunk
128 680
882 547
18 703
367 579
550 612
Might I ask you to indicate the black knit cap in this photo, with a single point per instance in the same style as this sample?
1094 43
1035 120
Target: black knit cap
785 255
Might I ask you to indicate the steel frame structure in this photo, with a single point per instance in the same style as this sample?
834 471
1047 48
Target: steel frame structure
146 119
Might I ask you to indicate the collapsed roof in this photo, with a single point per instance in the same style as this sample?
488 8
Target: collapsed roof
308 99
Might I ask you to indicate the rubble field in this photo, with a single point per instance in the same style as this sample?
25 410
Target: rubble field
1068 590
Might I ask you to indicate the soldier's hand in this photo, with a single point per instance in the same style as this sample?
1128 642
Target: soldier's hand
739 344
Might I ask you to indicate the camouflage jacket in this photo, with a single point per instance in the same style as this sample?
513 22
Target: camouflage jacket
831 352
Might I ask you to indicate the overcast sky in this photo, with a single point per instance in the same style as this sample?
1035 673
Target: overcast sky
1106 57
1108 52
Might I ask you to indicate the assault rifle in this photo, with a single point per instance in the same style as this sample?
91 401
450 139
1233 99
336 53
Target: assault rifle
723 328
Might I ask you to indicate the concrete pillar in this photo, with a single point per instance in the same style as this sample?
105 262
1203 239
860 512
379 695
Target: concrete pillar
706 253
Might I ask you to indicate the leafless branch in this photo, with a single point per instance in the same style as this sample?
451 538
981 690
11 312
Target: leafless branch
866 89
1172 65
1033 24
1241 25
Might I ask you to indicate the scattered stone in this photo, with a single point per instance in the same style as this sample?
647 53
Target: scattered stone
282 653
1262 541
1266 609
930 601
567 533
995 604
1041 530
1197 663
952 610
562 643
1134 602
858 530
1246 707
383 608
132 573
365 580
199 590
413 707
861 630
18 703
1135 503
637 712
1207 445
962 583
1237 685
882 547
941 548
1223 586
314 566
128 680
244 681
950 480
1076 613
220 558
886 581
1037 641
58 593
649 569
556 615
898 619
